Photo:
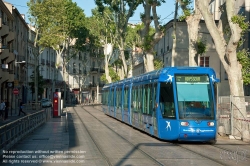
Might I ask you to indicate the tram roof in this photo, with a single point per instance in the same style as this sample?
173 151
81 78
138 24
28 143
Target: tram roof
162 73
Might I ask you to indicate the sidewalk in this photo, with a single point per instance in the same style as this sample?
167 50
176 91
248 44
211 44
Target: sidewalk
41 147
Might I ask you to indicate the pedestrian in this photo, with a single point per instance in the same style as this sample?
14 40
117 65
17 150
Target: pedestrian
2 109
21 108
6 109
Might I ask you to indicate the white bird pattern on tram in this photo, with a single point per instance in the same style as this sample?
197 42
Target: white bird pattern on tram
168 125
212 78
169 78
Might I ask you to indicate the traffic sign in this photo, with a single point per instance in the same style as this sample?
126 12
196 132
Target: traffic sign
15 91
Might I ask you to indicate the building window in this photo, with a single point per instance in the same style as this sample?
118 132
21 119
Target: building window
204 61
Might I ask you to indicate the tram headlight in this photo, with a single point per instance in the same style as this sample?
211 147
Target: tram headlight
184 123
210 123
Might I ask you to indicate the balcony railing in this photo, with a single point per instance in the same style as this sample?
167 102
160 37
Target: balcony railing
43 61
48 62
52 64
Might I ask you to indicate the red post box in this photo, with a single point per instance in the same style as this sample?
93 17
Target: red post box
56 104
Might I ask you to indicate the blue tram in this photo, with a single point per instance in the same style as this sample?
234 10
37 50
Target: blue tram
175 103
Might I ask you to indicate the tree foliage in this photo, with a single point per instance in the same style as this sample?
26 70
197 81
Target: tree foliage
243 57
57 21
122 11
114 76
158 64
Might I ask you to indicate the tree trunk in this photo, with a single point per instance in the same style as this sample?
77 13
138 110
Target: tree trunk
107 70
193 27
121 47
149 61
227 50
174 36
130 72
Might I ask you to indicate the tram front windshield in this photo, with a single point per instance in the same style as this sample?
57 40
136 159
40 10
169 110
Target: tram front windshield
194 95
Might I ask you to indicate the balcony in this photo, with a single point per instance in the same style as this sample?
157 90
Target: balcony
11 36
4 28
43 61
53 64
48 63
4 75
11 57
4 53
94 69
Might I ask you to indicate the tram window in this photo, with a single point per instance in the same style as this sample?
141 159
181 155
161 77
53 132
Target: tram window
148 98
152 98
195 98
167 101
145 100
140 99
126 97
134 104
117 97
112 98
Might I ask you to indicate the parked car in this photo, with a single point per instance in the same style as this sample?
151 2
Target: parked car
45 103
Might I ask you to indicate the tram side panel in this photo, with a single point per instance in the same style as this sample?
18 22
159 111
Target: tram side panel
168 124
143 114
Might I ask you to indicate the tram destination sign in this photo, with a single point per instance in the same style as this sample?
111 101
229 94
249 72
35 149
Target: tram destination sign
192 78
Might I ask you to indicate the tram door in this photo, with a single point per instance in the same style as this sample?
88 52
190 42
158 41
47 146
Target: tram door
168 124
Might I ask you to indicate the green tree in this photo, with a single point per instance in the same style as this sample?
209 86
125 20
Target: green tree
102 30
227 37
192 17
122 11
57 23
149 39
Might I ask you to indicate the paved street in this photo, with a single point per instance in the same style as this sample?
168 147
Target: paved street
93 138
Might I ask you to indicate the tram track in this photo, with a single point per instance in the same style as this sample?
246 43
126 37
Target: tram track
148 155
92 138
203 156
218 161
120 136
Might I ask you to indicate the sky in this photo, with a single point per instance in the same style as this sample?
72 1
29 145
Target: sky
165 11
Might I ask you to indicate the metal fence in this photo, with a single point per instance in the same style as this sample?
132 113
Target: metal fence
228 108
12 132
